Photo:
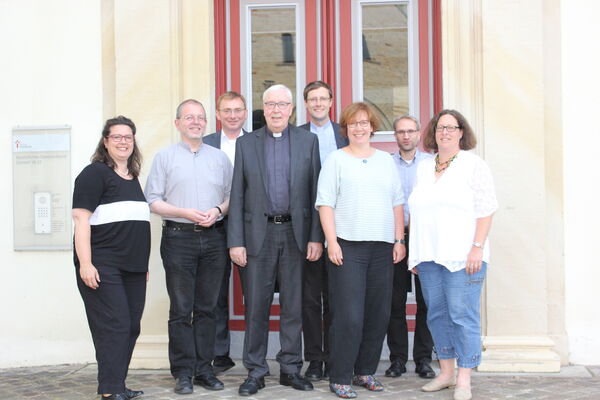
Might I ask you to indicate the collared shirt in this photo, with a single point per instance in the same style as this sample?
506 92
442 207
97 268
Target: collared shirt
326 136
228 145
186 179
277 164
407 170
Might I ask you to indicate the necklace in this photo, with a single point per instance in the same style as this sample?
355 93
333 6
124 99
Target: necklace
442 166
126 173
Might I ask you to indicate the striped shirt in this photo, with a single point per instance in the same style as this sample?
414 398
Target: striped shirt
363 194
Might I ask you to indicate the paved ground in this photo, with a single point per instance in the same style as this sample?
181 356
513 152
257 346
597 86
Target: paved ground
78 382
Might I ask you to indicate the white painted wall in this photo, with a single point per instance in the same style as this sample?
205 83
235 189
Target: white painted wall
51 75
581 127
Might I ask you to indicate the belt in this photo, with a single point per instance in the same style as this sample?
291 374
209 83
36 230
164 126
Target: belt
279 219
180 226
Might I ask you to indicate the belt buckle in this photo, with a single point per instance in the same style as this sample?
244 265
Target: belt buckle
278 219
198 228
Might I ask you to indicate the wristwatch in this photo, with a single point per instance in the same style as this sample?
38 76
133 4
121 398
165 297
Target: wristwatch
477 244
401 241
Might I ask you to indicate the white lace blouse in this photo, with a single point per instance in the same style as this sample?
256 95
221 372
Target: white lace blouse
443 213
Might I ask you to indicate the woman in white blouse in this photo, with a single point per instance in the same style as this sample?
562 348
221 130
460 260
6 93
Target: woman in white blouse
360 202
451 214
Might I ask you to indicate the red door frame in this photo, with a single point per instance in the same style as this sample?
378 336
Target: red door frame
327 42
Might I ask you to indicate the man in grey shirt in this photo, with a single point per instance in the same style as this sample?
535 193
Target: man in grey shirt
189 186
273 226
407 133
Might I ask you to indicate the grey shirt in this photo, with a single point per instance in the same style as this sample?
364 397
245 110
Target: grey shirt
277 163
182 178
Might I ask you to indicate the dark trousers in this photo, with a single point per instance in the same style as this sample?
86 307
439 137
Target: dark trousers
278 260
222 338
397 335
114 311
360 298
194 266
315 311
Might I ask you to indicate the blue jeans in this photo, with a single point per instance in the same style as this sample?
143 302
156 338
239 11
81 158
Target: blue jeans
453 318
194 267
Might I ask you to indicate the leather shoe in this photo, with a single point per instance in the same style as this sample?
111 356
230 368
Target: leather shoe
183 385
209 382
132 394
314 372
295 381
251 385
222 363
395 370
115 396
423 368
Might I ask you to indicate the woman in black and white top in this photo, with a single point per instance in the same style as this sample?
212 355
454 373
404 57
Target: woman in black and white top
112 247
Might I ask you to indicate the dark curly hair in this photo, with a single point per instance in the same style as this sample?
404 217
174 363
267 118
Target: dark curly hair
468 140
134 163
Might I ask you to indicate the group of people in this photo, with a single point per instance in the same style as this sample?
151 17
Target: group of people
314 210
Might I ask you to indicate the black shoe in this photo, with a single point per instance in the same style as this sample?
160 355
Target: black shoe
222 363
115 396
183 385
296 381
132 394
424 370
326 371
395 370
314 372
209 382
251 385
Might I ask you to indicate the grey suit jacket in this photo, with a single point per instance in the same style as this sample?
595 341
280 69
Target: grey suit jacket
339 139
214 139
248 203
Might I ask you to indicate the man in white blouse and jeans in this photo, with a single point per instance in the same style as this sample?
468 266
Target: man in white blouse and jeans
407 134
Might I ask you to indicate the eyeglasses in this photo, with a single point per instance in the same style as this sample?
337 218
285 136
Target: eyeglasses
363 124
230 111
410 132
192 118
449 128
118 138
315 100
270 105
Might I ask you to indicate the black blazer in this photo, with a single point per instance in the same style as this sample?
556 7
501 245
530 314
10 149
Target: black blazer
339 139
248 203
214 139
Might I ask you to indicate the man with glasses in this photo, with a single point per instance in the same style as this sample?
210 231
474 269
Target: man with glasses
189 186
408 135
273 226
232 112
318 99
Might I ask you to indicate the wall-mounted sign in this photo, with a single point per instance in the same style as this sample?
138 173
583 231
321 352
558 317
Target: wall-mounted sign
42 187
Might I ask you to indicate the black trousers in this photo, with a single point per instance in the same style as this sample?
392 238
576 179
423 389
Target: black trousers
222 337
114 311
194 266
397 336
360 298
279 260
315 311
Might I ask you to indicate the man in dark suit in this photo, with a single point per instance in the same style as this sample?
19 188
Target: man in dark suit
273 226
318 98
232 112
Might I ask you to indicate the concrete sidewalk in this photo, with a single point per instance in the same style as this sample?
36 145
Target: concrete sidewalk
78 382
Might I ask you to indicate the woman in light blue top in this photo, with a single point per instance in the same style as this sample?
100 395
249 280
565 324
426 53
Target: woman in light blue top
360 203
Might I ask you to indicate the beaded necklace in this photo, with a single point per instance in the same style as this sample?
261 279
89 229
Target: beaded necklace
442 166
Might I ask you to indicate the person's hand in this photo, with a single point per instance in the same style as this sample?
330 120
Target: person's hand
334 252
238 255
414 271
196 216
89 275
209 218
147 276
474 260
314 250
399 252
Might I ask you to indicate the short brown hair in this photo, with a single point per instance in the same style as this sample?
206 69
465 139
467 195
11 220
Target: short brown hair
354 108
230 95
316 85
467 141
134 162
